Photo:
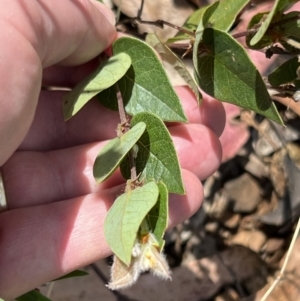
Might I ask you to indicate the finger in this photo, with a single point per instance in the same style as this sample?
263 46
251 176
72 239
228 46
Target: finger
50 131
46 36
68 76
95 123
66 235
210 113
68 173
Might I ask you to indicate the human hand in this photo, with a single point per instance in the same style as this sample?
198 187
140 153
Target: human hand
55 216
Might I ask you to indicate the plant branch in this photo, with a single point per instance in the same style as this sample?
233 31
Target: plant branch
140 11
121 109
284 21
244 33
122 129
158 23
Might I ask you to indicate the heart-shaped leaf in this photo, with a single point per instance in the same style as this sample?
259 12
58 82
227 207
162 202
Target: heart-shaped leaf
213 16
125 217
114 152
226 73
106 75
156 158
145 87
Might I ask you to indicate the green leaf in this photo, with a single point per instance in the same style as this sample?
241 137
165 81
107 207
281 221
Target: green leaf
290 31
286 73
156 159
106 75
33 296
169 56
145 87
226 73
223 17
226 13
114 152
125 217
157 218
279 6
76 273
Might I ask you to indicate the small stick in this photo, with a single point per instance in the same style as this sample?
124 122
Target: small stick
288 255
50 289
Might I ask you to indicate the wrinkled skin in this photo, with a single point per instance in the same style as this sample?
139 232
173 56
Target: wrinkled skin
54 221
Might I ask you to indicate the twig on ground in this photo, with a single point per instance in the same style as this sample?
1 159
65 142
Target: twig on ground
288 255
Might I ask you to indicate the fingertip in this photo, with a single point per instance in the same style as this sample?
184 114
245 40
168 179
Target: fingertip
210 112
198 148
106 12
65 32
213 115
184 206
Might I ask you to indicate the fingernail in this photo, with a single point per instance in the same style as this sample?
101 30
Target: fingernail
106 11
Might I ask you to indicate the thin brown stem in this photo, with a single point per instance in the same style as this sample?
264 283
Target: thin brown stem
124 127
284 21
140 11
121 109
244 33
158 23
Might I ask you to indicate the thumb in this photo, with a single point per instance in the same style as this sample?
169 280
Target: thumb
37 34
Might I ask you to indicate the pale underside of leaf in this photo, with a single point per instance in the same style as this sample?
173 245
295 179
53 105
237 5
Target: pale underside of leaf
125 217
226 73
112 154
225 14
105 76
